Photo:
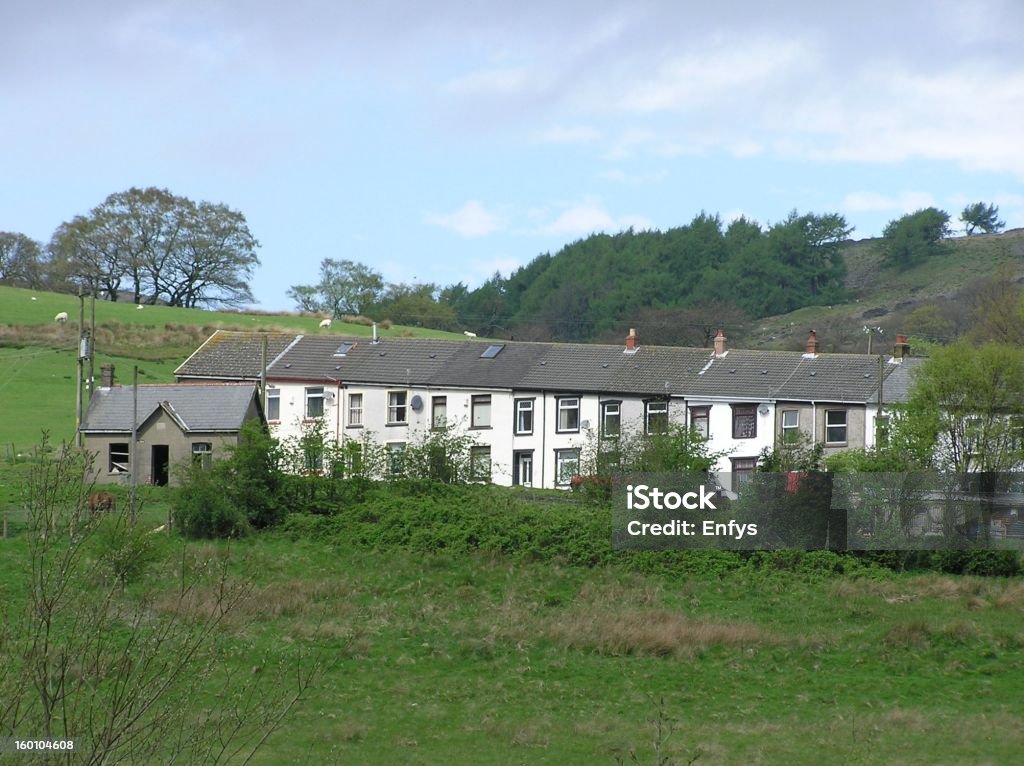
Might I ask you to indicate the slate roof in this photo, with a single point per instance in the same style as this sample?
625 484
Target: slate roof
230 355
569 367
198 407
897 383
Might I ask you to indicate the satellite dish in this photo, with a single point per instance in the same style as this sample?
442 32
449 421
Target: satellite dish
416 403
763 409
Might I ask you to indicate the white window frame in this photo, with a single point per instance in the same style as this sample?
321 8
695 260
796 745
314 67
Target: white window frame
273 403
790 430
564 460
202 453
355 410
398 408
314 394
845 426
524 417
567 405
655 407
611 410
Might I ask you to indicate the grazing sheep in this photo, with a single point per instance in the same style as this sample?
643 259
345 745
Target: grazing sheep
325 323
469 334
34 298
139 307
61 318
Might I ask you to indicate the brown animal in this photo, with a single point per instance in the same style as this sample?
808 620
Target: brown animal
102 501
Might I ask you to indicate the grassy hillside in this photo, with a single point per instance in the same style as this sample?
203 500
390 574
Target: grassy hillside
38 355
884 296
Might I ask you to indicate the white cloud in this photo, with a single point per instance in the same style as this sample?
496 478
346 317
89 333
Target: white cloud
489 82
589 217
873 202
470 220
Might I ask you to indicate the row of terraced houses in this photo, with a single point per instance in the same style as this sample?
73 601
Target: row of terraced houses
532 407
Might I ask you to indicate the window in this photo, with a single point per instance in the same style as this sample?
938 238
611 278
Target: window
567 465
790 426
313 456
202 453
655 417
315 402
396 458
118 457
355 410
439 412
568 415
480 463
742 471
273 403
524 416
835 426
744 421
699 420
611 419
481 413
396 407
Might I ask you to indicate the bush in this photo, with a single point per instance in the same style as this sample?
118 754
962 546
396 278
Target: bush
204 508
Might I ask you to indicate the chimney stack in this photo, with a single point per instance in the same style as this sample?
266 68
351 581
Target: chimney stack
901 350
107 376
631 340
812 344
720 343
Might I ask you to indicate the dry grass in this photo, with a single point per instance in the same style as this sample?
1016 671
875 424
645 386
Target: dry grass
972 592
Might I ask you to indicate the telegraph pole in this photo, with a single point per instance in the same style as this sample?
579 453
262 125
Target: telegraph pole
83 350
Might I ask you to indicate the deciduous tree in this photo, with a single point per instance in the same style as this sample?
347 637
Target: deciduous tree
916 236
983 218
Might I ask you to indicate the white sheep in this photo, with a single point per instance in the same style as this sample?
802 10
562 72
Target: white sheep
469 334
61 318
139 307
325 323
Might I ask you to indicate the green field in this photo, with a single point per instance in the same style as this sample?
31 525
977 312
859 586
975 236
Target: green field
492 660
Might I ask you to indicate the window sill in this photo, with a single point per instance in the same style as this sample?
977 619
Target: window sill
567 432
358 425
523 433
316 419
479 428
404 423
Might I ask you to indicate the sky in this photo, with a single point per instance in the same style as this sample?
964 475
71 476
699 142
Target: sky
444 141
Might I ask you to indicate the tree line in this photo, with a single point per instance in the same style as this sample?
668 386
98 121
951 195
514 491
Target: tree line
147 245
680 284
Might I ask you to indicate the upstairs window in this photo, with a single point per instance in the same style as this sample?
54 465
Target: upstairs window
568 415
397 407
273 403
744 421
355 410
700 420
611 419
314 402
835 426
481 411
439 413
655 417
524 416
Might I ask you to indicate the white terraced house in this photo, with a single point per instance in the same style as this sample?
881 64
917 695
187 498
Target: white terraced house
531 407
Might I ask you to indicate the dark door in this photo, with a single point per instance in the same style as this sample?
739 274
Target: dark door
160 463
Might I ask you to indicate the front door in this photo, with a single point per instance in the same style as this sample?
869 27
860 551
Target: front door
522 468
160 464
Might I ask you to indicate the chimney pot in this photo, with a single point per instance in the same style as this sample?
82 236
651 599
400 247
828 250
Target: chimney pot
631 340
720 342
812 343
901 349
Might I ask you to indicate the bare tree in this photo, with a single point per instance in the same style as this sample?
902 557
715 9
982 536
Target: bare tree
117 670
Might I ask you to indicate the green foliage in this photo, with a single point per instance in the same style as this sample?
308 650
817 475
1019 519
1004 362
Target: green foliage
967 404
126 551
203 507
677 450
981 217
909 240
345 287
794 454
21 260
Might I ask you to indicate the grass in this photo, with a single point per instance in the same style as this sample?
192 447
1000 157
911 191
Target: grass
18 309
482 659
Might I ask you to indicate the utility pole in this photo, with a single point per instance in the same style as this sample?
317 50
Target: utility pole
92 341
83 351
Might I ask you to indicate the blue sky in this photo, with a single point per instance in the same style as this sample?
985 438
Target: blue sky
440 142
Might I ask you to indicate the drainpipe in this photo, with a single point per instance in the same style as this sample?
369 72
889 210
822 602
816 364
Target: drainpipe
543 437
814 423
